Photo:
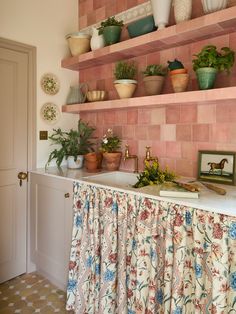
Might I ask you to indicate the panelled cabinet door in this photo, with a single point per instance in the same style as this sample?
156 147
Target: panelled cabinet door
51 226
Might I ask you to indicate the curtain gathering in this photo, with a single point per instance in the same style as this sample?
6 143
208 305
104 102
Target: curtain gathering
137 255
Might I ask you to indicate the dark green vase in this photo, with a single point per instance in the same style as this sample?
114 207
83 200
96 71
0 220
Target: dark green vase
206 77
111 34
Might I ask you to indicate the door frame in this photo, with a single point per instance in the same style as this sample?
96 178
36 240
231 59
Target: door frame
30 52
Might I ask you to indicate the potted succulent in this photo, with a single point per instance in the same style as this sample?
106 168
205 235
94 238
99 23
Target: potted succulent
154 75
125 83
110 145
111 30
209 61
179 76
73 145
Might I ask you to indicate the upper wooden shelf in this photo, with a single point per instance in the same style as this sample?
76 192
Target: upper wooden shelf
206 26
211 96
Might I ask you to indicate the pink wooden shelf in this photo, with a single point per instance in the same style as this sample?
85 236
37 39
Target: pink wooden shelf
206 26
210 96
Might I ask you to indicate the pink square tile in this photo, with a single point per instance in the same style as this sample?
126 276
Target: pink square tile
173 149
206 114
225 113
168 163
189 150
128 131
184 167
144 116
183 132
140 132
220 132
158 149
188 113
109 117
168 132
158 116
154 132
132 116
173 114
201 132
121 117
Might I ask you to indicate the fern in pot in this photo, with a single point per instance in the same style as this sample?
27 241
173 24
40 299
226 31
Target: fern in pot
209 61
72 145
154 76
125 83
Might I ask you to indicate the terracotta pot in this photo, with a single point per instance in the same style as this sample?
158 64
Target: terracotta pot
178 71
180 82
153 84
93 161
125 88
112 160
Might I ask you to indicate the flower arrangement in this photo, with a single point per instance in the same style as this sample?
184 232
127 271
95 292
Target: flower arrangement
110 142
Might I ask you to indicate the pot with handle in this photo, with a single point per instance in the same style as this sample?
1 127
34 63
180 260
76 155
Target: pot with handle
77 94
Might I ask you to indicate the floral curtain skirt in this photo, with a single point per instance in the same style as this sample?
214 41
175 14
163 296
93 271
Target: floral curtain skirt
137 255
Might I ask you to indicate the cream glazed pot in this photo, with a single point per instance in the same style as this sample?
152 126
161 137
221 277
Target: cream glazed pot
214 5
97 41
182 10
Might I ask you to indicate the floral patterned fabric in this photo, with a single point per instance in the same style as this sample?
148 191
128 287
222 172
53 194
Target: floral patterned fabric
137 255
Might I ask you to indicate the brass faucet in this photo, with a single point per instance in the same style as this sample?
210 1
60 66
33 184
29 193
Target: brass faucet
148 155
128 156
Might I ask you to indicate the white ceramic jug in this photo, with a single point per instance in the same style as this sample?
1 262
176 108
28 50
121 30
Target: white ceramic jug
213 5
97 41
161 12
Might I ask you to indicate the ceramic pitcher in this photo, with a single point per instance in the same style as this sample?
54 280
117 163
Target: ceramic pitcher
77 94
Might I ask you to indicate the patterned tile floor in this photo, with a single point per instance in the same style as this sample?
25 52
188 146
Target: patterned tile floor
31 293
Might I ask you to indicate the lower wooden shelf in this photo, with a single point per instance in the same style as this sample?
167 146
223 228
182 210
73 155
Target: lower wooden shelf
210 96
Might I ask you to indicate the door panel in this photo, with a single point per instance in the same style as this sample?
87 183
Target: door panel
13 159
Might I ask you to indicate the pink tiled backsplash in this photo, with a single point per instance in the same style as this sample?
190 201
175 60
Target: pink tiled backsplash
175 133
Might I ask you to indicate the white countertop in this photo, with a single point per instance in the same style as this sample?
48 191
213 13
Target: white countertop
208 200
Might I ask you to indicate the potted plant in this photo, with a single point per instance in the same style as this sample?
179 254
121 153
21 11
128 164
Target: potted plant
109 146
154 75
73 145
124 73
209 61
111 30
179 76
93 161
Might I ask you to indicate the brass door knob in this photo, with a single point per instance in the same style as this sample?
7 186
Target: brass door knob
22 176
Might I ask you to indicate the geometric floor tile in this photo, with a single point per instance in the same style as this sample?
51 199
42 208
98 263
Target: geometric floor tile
31 293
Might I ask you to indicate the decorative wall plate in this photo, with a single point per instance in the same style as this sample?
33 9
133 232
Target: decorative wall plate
50 113
50 84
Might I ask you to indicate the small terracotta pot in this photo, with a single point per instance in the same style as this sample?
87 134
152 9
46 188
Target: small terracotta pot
112 160
180 82
153 84
178 71
93 161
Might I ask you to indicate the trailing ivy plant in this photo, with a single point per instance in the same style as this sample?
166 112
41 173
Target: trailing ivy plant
209 56
152 174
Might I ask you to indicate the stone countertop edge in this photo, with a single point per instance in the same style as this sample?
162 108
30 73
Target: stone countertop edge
208 200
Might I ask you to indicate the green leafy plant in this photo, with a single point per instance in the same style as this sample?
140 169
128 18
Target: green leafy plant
155 69
152 174
73 143
174 65
110 143
125 70
209 56
111 21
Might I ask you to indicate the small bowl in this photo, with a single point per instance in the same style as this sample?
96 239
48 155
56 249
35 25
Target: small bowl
142 26
96 95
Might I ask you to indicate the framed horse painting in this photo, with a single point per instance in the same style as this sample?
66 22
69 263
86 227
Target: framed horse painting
217 166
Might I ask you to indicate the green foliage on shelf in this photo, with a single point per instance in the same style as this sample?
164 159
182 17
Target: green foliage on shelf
72 143
209 56
125 70
152 174
111 21
155 69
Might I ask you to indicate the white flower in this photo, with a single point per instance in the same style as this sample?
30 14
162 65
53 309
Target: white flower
105 140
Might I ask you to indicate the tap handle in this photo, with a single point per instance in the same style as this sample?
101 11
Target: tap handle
126 150
148 154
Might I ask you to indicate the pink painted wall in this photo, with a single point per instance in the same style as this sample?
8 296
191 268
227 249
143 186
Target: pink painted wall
175 133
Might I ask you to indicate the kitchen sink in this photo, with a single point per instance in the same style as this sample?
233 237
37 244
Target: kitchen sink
115 179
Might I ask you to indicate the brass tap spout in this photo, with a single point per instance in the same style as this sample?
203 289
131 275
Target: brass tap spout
127 156
148 155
